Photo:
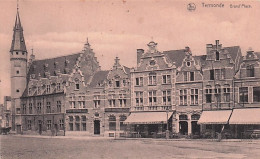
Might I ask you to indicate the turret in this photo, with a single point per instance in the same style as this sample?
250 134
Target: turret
18 59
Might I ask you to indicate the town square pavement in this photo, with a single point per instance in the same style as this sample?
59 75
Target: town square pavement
39 147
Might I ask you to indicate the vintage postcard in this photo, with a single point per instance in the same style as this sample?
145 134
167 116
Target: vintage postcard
129 79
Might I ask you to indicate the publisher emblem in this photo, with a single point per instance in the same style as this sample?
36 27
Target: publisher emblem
191 7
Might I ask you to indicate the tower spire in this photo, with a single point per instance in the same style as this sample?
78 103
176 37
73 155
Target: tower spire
18 42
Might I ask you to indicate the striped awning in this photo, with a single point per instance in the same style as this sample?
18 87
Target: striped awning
245 116
148 118
215 117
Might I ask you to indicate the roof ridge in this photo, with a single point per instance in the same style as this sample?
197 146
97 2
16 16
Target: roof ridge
56 57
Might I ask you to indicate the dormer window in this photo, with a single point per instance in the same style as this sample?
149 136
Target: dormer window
250 71
48 89
58 86
217 55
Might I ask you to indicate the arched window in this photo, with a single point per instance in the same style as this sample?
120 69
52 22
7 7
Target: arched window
112 123
183 117
195 117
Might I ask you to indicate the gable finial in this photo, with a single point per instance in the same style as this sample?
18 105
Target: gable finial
17 5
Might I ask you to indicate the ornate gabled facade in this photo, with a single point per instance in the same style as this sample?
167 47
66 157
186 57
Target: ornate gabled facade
189 92
218 70
247 81
50 81
100 106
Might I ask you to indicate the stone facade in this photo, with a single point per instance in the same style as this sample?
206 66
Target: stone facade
71 95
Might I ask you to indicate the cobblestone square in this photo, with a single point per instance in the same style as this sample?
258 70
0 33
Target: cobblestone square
27 147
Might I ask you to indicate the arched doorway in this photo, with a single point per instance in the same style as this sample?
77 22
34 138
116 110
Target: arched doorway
97 127
183 124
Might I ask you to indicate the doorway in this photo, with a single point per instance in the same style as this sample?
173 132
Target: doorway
183 127
96 127
195 128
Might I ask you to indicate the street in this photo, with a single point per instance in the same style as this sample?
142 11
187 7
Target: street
26 147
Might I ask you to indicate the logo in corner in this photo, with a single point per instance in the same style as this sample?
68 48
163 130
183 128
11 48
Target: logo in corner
191 7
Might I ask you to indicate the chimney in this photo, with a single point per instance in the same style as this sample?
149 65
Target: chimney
139 54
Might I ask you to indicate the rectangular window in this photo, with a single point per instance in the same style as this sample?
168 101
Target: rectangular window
139 81
39 108
29 125
166 79
112 125
58 87
185 75
183 97
256 94
84 127
23 109
167 97
61 123
194 96
243 94
208 95
152 79
191 76
96 101
139 98
188 76
77 86
30 108
226 94
117 83
48 107
72 104
250 71
58 106
122 100
48 124
81 104
211 74
152 98
217 74
48 89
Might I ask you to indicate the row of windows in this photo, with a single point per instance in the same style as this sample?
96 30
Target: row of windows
50 124
112 122
39 108
194 97
152 98
152 80
243 94
48 89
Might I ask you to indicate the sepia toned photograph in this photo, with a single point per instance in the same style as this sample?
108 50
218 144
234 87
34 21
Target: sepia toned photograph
129 79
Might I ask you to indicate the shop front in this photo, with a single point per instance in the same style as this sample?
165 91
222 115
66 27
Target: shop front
149 124
245 123
214 122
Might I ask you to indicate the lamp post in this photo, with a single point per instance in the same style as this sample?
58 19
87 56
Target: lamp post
167 129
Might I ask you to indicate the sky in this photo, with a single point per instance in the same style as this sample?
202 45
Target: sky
119 27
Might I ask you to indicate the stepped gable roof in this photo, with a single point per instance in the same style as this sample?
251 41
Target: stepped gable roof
64 64
176 56
233 51
98 77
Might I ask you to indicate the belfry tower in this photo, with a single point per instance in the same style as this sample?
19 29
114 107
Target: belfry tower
18 59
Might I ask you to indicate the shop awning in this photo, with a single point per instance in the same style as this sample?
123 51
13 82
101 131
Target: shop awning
245 116
147 118
215 117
